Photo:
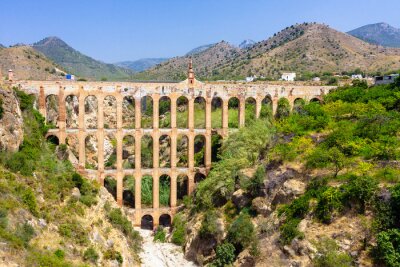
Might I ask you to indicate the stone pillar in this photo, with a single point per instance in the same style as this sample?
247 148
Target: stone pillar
274 105
100 133
156 117
119 137
42 102
61 116
208 114
138 194
190 182
156 188
138 113
81 125
173 148
208 151
225 118
120 188
242 103
258 107
191 114
191 150
173 189
173 112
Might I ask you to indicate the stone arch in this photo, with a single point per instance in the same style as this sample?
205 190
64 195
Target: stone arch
72 111
111 185
164 112
233 112
128 152
128 195
199 150
165 191
147 222
53 139
216 143
147 112
110 112
146 151
52 109
216 113
199 113
147 191
182 113
110 151
250 110
128 112
91 152
283 108
316 99
72 141
91 112
165 151
198 177
182 187
165 220
266 108
182 151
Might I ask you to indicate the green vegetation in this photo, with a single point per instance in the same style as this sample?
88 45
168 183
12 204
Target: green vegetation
160 235
179 226
329 255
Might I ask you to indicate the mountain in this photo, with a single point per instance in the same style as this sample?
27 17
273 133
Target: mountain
2 46
378 33
28 64
77 63
199 49
141 64
205 62
246 44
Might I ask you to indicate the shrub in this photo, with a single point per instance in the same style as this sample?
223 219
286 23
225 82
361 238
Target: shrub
360 190
328 202
209 226
160 235
242 232
29 199
225 255
112 254
289 231
59 253
329 255
179 229
25 233
45 258
91 255
75 231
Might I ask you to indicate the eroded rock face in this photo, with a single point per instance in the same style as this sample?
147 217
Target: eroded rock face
11 122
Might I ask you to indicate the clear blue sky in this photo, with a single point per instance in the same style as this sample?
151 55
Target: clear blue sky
115 30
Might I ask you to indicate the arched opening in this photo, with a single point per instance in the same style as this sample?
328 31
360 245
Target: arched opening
91 150
165 151
110 112
91 112
298 105
164 112
182 188
147 191
128 195
199 151
147 222
283 109
72 142
128 112
316 100
147 152
266 108
182 151
165 220
250 110
165 191
147 112
233 112
198 177
52 110
53 140
72 110
199 113
111 185
110 151
182 112
216 113
128 152
216 143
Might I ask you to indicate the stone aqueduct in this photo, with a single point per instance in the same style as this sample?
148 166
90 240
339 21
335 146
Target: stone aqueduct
190 89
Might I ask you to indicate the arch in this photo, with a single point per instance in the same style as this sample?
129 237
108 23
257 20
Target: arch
165 151
216 143
165 191
91 150
53 139
233 112
250 110
111 185
216 113
182 151
72 142
283 109
182 187
147 191
199 150
128 195
128 152
110 112
91 112
146 222
198 177
128 112
110 151
266 108
164 112
52 110
146 152
147 112
182 113
72 110
165 220
199 112
298 105
316 99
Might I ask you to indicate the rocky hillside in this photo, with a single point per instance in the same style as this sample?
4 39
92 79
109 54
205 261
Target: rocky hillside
378 33
77 63
141 64
28 64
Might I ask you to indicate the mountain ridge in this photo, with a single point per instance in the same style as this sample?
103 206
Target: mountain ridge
378 33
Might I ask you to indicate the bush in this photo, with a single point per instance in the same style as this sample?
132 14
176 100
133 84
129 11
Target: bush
388 247
45 258
75 231
112 254
209 226
160 235
25 233
29 199
242 232
360 190
225 255
289 231
179 230
91 255
329 255
59 253
328 202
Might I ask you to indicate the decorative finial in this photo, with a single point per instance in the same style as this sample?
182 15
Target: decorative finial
191 72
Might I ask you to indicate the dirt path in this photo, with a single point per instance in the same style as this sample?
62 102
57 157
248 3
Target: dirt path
157 254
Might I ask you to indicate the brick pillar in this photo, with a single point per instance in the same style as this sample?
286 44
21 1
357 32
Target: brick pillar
138 176
241 111
42 102
191 114
138 113
291 102
156 99
81 125
119 136
120 188
207 155
173 112
258 107
61 116
156 188
191 150
173 189
190 182
100 133
225 118
274 105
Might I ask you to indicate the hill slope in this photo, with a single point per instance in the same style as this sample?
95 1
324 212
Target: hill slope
141 64
378 33
78 63
27 64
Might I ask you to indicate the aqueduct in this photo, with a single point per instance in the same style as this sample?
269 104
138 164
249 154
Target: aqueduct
137 115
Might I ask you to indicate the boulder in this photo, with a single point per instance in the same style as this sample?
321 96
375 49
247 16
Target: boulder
76 193
240 199
261 205
11 122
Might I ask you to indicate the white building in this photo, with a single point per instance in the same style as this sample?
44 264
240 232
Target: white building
356 76
288 76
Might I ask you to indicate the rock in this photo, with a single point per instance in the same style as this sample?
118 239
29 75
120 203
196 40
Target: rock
42 223
261 205
290 189
113 263
240 199
289 251
109 243
11 122
244 259
97 237
76 193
